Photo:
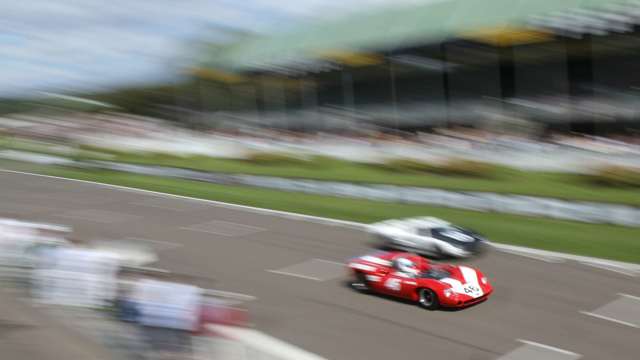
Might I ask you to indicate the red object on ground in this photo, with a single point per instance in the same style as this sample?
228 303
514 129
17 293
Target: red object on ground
222 315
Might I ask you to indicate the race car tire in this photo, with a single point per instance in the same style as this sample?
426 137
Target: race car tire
360 283
428 299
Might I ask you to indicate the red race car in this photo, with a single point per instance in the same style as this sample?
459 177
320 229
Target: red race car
410 276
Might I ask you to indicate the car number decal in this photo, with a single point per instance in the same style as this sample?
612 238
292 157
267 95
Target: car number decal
472 290
393 284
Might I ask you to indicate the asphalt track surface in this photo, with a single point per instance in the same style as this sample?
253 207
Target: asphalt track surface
534 300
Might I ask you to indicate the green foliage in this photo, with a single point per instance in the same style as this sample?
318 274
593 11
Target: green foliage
264 158
8 106
469 168
616 176
498 179
454 167
408 165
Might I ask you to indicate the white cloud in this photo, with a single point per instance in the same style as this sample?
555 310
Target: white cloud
72 43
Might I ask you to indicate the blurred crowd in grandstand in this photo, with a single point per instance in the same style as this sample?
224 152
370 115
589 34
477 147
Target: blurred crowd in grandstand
114 129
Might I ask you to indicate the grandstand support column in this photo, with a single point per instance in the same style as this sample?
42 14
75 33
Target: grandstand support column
199 97
579 66
286 96
507 72
309 97
347 90
580 78
445 83
259 96
228 89
275 100
394 92
181 105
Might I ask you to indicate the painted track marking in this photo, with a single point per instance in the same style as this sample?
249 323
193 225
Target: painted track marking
609 319
624 310
224 228
319 269
530 350
293 274
548 347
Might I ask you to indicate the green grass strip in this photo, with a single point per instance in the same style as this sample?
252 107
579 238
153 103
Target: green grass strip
605 241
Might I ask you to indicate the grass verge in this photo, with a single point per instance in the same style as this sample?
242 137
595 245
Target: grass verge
503 180
605 241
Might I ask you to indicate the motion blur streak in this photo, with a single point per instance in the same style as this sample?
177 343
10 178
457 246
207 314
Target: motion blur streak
430 129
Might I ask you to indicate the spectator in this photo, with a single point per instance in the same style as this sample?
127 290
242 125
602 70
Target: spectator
169 312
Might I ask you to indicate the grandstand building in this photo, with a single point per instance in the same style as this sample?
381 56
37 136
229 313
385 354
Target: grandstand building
569 64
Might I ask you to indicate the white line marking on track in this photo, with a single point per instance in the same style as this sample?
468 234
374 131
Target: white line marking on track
156 206
533 256
96 215
330 262
319 269
225 228
609 319
209 231
168 204
164 245
630 296
548 347
293 274
609 268
518 250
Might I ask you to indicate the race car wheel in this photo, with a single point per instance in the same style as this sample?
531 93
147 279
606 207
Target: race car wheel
360 283
428 299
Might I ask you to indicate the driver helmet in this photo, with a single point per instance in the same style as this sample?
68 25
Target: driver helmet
406 266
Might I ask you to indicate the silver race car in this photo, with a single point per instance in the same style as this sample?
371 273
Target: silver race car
428 235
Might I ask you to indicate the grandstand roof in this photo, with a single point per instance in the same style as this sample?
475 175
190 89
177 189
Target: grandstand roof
418 24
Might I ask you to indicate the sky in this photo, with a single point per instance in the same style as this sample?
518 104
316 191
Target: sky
85 45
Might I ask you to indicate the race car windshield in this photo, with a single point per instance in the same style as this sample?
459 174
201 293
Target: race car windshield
455 235
435 273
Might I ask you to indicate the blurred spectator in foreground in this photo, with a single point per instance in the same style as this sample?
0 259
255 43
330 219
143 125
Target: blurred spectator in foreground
23 243
169 313
160 314
76 276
